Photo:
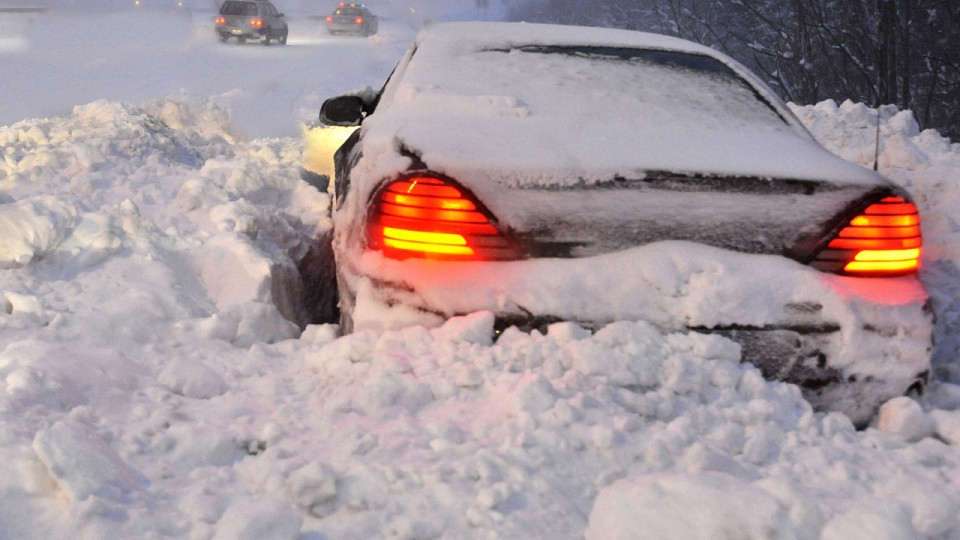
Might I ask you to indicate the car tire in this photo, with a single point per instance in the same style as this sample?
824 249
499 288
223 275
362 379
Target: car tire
266 38
242 39
283 38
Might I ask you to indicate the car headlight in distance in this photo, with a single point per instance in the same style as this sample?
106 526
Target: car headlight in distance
884 239
433 218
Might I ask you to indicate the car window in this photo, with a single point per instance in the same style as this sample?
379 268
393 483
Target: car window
677 59
689 65
238 8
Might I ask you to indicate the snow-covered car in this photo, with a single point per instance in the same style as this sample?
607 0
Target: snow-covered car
553 173
257 20
352 19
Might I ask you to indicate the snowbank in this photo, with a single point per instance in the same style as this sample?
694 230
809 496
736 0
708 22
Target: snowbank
152 384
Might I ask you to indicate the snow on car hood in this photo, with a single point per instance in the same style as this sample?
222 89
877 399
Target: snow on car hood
499 98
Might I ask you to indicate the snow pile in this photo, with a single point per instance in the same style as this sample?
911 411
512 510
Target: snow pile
152 383
168 196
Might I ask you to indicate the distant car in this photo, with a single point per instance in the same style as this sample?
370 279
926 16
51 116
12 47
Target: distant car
247 20
555 173
352 19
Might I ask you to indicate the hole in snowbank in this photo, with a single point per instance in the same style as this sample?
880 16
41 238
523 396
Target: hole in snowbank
318 276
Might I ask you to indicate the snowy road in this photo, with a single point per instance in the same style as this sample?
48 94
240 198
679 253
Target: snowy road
137 56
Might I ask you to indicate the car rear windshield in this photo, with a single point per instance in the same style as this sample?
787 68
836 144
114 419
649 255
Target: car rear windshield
695 62
349 11
671 78
238 8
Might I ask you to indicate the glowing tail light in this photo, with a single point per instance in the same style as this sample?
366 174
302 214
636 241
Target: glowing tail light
359 20
220 20
431 218
884 239
256 23
329 18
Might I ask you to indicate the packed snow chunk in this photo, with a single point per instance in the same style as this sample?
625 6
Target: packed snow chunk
623 353
700 459
905 417
92 240
192 445
31 228
52 377
934 510
319 334
21 305
191 379
704 506
474 328
947 425
337 357
313 486
236 272
804 509
83 464
259 519
567 331
533 394
261 323
944 395
874 519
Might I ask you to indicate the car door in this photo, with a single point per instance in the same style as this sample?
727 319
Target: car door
272 18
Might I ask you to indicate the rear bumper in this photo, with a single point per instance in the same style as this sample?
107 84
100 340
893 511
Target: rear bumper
849 343
346 28
897 365
246 33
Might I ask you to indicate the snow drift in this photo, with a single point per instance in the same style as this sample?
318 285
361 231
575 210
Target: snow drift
153 382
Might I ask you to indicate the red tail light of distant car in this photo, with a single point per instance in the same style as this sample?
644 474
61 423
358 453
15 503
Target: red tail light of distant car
427 217
220 20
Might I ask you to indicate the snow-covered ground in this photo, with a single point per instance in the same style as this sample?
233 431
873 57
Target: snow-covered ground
152 216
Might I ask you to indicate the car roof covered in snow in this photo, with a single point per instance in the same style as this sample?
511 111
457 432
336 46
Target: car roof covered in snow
532 104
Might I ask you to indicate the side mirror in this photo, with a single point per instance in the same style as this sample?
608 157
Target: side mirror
279 14
342 111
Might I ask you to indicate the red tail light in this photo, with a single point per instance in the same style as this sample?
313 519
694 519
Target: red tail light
359 20
257 23
329 18
431 218
884 239
220 20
